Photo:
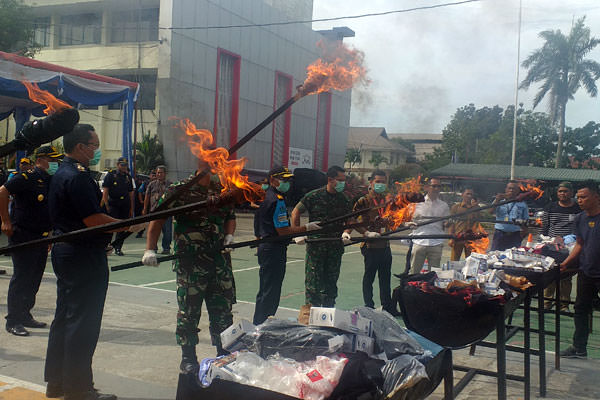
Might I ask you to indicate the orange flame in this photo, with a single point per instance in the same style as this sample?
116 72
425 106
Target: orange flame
481 245
339 68
200 142
46 98
533 189
399 210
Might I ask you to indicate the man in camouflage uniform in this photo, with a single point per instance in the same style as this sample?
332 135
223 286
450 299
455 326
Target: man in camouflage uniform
204 271
323 260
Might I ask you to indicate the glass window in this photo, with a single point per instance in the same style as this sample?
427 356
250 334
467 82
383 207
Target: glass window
135 26
147 95
323 128
281 125
80 29
42 31
227 98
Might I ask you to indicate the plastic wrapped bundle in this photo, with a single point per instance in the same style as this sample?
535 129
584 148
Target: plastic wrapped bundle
401 373
390 337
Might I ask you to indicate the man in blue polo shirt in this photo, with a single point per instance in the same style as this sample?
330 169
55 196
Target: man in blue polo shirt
507 236
271 220
587 252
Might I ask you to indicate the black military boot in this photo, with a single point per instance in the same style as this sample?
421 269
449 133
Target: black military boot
189 361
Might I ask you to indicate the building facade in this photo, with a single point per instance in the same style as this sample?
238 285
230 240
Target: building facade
425 143
370 148
193 60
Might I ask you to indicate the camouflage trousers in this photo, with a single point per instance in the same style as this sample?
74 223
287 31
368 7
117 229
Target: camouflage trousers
202 278
323 261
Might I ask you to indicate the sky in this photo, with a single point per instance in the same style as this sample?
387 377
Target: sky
423 65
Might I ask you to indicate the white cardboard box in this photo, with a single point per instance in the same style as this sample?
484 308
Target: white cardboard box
344 320
365 344
230 335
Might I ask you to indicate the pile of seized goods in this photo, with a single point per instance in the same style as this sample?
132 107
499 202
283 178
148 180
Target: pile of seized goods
338 355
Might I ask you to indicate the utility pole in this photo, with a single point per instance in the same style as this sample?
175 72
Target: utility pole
514 141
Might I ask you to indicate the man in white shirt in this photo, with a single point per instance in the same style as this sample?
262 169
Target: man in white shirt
432 207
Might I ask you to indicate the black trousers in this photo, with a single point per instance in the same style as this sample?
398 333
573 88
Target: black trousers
272 260
82 282
120 210
377 261
29 265
587 290
506 240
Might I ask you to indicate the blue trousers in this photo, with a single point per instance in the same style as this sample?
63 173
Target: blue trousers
271 259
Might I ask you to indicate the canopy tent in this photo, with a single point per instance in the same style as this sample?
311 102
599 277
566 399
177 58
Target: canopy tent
73 86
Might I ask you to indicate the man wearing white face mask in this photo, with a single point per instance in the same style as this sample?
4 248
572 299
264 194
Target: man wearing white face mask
29 219
272 220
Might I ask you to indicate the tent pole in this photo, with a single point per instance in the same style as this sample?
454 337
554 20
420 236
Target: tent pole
135 114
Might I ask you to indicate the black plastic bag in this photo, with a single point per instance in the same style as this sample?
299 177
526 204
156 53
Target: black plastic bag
400 374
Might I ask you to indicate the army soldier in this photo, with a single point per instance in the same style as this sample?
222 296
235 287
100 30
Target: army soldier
203 272
118 196
81 270
28 220
272 220
323 260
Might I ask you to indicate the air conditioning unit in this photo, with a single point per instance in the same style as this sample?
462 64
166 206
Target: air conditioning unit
107 163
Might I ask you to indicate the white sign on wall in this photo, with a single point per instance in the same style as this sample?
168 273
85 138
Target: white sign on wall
300 158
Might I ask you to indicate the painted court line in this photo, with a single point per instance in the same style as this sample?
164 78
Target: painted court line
12 383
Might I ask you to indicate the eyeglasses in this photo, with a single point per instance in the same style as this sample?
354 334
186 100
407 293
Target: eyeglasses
96 145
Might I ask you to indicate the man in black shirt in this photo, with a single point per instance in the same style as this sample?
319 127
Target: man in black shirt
559 221
118 197
28 220
587 251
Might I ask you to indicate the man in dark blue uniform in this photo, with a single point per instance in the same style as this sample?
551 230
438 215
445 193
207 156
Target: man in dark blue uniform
81 270
28 220
118 197
271 220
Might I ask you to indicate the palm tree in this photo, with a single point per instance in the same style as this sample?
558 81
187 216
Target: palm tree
148 153
561 67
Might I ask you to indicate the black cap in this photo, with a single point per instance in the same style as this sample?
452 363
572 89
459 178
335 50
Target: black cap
122 160
280 173
48 151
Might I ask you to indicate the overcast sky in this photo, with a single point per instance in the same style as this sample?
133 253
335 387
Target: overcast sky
425 64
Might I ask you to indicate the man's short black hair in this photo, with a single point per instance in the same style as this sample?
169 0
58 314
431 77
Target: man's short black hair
589 185
334 170
163 167
80 134
377 172
512 181
468 188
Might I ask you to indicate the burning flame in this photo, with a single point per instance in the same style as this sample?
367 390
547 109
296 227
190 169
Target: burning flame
481 245
339 68
400 210
38 95
534 190
200 142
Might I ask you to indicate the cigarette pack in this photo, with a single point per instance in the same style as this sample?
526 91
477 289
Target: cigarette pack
344 320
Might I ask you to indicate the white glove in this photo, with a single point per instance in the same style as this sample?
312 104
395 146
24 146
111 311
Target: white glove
226 242
371 235
149 258
346 238
313 226
411 225
301 240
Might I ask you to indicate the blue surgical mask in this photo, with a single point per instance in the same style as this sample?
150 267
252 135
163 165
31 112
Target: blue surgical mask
52 167
96 159
379 187
264 186
283 187
339 186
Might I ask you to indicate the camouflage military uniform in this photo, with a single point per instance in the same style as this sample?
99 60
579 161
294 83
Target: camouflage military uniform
206 274
323 260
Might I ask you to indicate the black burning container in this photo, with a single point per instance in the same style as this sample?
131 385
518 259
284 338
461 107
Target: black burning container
452 321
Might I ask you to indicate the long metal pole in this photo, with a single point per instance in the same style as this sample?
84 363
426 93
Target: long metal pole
514 139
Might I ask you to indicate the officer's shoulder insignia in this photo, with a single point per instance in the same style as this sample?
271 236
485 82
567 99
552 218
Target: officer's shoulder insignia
279 197
40 181
24 175
79 167
40 197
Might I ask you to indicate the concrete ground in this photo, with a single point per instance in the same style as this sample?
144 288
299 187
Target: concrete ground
137 357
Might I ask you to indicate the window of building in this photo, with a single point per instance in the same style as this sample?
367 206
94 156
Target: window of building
80 29
227 98
281 125
135 26
42 31
323 129
147 95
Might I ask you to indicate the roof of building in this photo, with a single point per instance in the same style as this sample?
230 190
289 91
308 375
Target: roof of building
502 172
418 137
372 138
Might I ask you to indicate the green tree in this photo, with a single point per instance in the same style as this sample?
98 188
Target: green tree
353 156
582 146
402 172
17 28
148 153
377 159
561 67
